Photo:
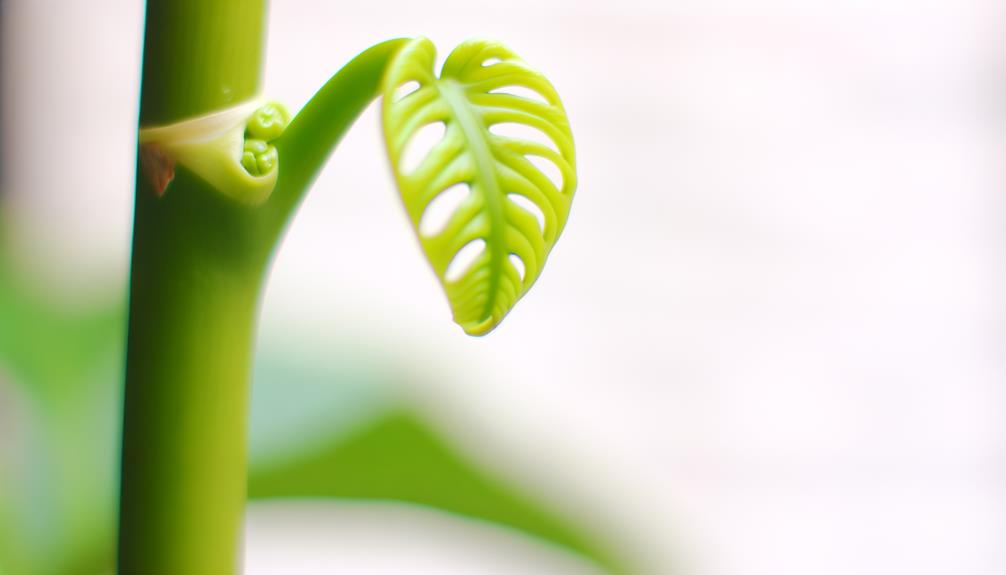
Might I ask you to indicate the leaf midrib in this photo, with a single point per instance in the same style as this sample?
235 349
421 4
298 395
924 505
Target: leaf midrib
473 130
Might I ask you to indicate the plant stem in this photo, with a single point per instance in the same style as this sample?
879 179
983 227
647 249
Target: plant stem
319 127
199 263
197 272
198 266
200 56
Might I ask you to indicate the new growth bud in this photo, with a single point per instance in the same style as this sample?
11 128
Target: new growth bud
268 122
259 157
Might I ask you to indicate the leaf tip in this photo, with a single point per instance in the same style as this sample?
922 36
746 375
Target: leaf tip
480 328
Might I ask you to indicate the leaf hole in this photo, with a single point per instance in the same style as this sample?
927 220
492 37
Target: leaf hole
548 168
464 259
527 205
420 145
518 265
521 92
523 132
439 211
405 90
491 61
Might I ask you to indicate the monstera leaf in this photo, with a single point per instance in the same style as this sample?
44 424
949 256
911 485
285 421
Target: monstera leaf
491 196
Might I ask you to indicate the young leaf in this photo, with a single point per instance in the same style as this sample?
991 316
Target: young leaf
504 133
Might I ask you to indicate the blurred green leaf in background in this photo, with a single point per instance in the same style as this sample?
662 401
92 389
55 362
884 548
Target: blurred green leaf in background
321 429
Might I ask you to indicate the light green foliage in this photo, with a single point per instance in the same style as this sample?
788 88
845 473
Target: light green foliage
482 85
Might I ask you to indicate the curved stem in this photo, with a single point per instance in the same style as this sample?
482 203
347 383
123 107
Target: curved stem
315 132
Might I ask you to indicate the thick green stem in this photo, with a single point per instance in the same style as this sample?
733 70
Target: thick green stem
198 265
200 56
197 270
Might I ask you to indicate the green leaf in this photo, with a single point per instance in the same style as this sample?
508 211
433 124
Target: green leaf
491 246
398 457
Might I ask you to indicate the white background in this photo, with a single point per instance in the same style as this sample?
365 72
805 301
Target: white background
770 340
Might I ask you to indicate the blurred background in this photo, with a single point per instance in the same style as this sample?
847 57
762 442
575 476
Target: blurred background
770 341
